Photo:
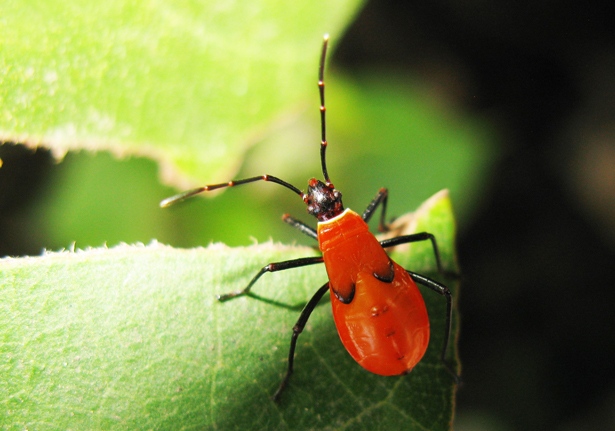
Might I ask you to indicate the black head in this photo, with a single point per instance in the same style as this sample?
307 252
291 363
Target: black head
323 201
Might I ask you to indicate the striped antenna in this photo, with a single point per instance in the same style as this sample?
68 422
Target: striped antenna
188 194
323 110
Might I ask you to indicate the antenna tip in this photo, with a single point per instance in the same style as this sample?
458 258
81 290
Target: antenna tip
326 37
165 203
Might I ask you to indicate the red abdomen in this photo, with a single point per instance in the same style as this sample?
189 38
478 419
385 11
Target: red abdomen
378 310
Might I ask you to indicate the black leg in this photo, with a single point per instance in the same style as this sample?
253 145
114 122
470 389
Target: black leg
297 329
272 267
422 236
300 225
381 198
444 291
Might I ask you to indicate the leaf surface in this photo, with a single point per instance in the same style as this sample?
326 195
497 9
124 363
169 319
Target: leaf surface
133 338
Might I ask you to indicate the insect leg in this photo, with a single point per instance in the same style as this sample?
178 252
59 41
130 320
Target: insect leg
309 231
381 198
272 267
444 291
415 237
297 329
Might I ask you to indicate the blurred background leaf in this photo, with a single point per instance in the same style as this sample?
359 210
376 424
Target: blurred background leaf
162 79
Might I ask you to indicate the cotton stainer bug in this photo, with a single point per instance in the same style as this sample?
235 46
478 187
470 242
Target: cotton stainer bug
378 310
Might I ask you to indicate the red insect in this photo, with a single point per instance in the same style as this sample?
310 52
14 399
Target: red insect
378 310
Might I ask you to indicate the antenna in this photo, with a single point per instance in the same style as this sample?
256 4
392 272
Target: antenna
188 194
323 110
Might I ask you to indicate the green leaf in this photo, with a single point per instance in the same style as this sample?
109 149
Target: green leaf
133 338
190 83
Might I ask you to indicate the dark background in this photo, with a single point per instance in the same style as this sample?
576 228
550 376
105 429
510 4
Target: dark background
537 340
537 255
